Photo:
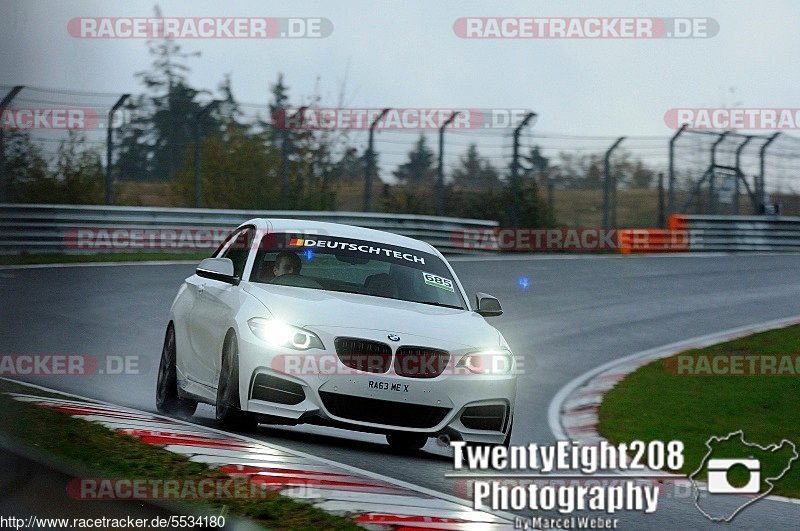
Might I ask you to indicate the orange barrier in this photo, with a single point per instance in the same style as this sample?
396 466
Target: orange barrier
653 240
678 222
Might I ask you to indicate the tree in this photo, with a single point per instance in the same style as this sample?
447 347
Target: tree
239 171
152 146
419 170
475 172
538 166
77 177
580 171
537 161
632 173
279 109
308 154
80 172
350 167
26 167
533 211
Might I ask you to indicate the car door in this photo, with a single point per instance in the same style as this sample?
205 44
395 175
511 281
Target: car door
212 314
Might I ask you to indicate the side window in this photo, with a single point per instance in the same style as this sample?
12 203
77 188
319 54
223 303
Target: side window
237 249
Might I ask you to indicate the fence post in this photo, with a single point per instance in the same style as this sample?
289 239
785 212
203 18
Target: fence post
607 183
198 151
285 149
739 174
110 148
4 180
671 185
712 191
515 170
370 160
760 185
440 170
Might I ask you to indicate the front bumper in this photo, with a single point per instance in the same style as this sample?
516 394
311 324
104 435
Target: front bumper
290 387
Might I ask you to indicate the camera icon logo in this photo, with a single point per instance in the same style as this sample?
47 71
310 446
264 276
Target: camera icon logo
718 476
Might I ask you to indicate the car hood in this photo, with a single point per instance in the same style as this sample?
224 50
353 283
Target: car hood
313 308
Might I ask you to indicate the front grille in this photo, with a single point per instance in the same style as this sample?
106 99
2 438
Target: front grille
384 412
484 417
364 355
420 362
273 389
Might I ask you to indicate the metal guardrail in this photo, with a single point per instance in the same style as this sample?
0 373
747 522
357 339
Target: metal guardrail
739 233
52 228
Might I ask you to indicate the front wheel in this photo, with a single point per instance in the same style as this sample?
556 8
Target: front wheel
167 399
229 413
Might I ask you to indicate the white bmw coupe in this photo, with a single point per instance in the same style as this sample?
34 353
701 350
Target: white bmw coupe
305 322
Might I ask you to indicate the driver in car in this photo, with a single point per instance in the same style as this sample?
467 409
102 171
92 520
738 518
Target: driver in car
286 263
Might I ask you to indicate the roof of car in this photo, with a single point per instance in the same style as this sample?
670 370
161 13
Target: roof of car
338 229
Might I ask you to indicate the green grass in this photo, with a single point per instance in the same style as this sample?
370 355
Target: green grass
61 258
89 446
654 404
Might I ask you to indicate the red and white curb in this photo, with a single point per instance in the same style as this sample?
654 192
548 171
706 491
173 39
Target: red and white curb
370 500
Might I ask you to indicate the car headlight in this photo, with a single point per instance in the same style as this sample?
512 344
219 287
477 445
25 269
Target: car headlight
280 334
496 361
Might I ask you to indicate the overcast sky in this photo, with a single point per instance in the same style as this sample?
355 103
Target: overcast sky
405 54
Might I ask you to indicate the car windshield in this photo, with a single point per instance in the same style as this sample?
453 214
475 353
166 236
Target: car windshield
355 266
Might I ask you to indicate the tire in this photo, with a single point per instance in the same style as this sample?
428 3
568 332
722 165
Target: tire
167 398
406 442
229 413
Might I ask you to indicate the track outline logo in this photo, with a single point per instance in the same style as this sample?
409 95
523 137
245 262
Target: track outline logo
768 480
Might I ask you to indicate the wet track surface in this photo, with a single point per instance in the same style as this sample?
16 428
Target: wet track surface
575 314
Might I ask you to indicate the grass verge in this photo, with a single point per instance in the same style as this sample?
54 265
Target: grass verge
85 445
653 403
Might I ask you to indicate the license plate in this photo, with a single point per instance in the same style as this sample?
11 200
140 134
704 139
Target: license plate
388 386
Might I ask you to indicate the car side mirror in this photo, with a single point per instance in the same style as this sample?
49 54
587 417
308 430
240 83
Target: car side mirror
487 306
218 269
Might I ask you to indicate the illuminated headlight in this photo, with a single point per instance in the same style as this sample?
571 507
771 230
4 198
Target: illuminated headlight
280 334
496 361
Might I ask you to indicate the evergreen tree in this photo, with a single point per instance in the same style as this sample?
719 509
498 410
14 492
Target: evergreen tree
475 172
419 170
154 143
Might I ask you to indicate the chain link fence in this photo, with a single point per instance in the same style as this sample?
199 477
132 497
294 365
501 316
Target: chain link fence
196 148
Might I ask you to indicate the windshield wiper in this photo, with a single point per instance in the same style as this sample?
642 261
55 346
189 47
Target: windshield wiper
441 304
